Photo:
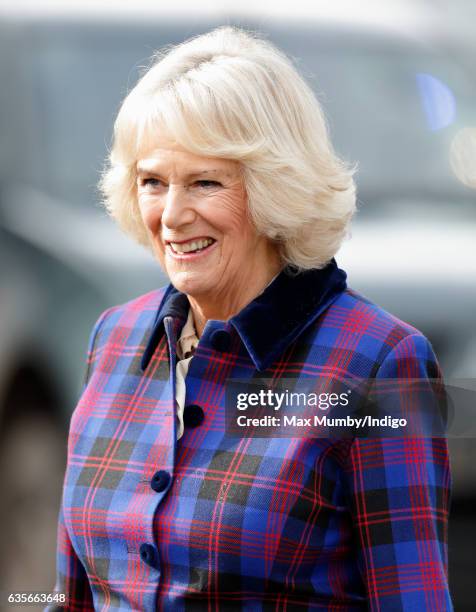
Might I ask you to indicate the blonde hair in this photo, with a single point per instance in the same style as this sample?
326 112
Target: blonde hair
230 94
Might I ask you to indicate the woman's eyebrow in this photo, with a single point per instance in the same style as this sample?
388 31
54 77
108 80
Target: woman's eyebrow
146 170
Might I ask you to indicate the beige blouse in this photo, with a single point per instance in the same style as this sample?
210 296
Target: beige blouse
186 345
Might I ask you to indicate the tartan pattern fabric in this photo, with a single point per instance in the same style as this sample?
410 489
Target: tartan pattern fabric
213 522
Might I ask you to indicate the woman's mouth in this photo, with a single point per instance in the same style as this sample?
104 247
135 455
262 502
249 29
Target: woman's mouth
192 248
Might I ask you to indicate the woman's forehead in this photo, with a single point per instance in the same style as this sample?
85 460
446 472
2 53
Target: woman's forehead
164 154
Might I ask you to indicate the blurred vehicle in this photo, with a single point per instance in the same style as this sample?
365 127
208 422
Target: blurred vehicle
394 107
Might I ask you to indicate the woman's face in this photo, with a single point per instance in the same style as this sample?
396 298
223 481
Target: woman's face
195 210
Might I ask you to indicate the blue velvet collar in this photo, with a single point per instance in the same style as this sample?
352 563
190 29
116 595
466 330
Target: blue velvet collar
274 319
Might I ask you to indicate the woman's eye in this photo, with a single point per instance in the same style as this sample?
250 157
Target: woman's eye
150 182
207 184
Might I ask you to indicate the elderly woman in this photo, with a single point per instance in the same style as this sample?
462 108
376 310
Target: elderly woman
222 165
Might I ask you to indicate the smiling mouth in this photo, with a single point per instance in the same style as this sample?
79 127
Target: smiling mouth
193 246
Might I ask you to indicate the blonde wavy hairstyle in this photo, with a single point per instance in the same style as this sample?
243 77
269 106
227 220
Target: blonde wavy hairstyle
233 95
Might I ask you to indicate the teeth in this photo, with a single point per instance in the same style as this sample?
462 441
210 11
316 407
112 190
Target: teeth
188 247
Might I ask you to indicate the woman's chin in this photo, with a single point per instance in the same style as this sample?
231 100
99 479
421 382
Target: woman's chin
191 283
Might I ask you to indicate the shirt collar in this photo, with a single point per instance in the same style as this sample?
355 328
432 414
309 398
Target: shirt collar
188 340
274 319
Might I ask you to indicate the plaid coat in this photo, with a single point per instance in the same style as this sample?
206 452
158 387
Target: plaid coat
213 522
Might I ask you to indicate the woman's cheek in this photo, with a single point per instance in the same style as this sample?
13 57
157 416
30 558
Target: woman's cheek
150 214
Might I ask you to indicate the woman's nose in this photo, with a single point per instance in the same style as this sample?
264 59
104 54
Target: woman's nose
178 209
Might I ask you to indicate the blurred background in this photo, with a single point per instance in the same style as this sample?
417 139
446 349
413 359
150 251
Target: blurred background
398 83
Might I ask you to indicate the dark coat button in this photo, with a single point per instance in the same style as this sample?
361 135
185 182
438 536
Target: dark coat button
160 481
220 340
193 415
149 555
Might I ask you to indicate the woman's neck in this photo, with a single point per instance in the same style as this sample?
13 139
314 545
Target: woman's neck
223 307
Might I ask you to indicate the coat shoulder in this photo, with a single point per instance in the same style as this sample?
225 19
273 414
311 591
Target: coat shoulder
355 323
137 314
123 325
144 306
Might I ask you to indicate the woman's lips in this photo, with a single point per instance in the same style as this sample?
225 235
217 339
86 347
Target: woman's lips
191 255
